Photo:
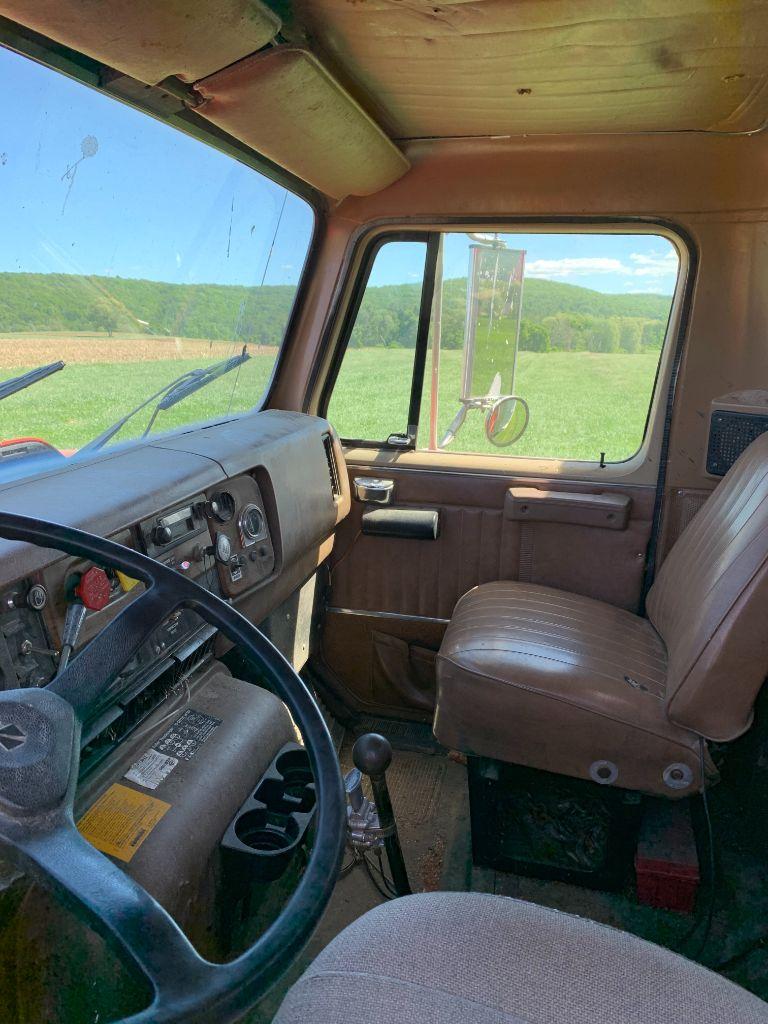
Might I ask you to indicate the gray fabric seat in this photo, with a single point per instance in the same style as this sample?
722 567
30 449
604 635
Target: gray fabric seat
472 958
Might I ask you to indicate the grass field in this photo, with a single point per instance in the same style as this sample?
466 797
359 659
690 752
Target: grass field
74 405
581 403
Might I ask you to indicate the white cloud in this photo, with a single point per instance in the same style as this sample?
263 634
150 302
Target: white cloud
664 260
651 265
574 266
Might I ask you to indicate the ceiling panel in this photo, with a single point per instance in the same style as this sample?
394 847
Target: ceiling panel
499 67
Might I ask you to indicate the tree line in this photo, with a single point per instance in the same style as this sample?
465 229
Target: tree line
556 316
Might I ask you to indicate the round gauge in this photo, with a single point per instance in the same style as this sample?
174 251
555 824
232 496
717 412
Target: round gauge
223 547
252 522
222 506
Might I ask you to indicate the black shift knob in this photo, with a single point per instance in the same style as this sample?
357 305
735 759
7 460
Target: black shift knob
372 754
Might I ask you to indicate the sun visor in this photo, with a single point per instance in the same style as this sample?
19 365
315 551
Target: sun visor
285 105
152 39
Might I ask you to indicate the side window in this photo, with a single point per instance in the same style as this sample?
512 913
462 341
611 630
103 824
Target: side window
372 393
541 344
569 327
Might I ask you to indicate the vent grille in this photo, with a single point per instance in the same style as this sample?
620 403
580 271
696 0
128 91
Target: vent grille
729 434
333 470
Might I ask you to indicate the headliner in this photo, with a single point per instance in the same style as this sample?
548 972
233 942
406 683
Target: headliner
511 67
327 88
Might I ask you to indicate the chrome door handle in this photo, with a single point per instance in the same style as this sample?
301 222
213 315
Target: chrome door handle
374 490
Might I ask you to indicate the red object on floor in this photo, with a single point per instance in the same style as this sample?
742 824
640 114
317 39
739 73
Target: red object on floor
666 860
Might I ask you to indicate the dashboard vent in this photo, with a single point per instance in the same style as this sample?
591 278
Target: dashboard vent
333 470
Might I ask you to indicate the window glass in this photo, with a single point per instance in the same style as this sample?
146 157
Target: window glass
371 395
134 254
571 323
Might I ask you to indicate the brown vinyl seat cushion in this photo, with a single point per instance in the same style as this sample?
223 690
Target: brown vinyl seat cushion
536 676
553 680
474 958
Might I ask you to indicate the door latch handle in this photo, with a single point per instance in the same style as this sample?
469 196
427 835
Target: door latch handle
374 490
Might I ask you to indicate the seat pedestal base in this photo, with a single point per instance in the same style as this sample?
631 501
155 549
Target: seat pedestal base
549 826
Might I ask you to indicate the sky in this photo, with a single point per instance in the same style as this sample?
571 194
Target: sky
618 264
90 186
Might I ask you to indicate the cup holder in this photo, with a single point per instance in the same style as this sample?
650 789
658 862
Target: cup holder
269 828
293 765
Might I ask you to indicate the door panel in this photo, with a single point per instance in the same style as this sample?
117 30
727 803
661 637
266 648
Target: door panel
407 589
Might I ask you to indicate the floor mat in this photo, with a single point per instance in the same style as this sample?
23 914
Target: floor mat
431 803
402 735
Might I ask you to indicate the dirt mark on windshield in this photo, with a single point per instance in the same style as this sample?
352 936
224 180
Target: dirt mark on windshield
88 147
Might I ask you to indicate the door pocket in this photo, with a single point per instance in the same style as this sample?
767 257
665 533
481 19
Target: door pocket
405 669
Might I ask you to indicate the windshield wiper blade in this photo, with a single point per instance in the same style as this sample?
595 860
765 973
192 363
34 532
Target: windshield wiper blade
169 395
14 384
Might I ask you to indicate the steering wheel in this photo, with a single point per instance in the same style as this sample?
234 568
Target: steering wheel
39 775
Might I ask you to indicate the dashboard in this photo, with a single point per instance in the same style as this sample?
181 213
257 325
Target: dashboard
247 509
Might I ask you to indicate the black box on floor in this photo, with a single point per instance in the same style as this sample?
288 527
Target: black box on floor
549 826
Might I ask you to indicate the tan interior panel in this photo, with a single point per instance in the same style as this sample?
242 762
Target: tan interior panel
495 67
478 544
152 40
288 107
417 583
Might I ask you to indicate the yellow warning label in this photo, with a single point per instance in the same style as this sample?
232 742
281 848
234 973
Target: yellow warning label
126 582
120 821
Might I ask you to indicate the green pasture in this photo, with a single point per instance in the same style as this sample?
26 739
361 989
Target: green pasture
581 403
76 404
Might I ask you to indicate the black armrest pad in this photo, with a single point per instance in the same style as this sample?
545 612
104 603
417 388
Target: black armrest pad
419 524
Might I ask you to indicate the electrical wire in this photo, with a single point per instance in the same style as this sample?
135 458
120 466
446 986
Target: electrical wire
710 856
152 726
369 869
383 885
261 285
711 871
388 882
346 868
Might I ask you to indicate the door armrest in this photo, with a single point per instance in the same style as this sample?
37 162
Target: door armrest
608 511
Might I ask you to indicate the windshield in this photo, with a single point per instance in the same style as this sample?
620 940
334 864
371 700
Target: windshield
135 254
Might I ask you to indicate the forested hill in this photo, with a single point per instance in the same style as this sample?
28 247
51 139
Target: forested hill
68 302
548 298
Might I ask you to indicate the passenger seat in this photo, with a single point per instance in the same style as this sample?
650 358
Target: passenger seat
536 676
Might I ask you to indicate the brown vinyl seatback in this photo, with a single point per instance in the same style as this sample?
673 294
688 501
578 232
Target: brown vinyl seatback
710 604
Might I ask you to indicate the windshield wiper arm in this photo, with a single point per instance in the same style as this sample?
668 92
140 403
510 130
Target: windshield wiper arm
14 384
169 395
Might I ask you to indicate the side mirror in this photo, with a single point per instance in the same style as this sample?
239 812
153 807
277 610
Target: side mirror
506 421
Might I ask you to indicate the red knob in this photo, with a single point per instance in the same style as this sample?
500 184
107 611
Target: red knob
94 589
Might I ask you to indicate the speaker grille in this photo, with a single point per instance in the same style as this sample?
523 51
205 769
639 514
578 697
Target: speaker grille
729 434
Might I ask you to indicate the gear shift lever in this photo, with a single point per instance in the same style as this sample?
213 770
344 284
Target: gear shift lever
372 755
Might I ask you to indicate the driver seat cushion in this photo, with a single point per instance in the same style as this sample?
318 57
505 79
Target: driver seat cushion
560 682
474 958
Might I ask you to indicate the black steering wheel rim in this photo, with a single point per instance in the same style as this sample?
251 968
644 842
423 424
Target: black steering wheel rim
201 991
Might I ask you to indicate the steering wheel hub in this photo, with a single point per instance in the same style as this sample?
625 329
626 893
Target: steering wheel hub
37 745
